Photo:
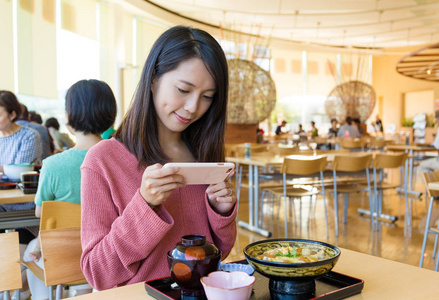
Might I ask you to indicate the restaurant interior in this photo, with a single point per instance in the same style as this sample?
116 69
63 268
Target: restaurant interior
299 73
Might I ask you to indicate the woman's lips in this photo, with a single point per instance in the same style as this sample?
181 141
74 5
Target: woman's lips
181 119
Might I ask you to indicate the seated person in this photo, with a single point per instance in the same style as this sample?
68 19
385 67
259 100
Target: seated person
314 131
347 130
62 140
300 131
63 183
279 128
18 145
332 132
432 164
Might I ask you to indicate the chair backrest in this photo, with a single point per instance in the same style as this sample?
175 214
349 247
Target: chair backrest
285 151
303 165
389 160
351 163
60 214
61 250
10 268
352 143
377 143
431 177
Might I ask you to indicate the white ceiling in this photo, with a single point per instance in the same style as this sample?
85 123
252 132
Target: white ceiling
345 23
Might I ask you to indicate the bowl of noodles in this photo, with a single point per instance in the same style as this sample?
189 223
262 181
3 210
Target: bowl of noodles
292 265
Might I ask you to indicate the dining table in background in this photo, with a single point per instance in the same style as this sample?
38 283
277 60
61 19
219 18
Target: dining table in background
383 279
19 218
253 163
15 196
411 150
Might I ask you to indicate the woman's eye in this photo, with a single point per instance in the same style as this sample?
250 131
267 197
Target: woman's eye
208 97
182 91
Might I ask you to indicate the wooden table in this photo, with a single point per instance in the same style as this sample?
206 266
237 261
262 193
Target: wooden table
20 218
15 196
383 279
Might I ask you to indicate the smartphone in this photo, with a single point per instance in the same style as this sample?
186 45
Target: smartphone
203 173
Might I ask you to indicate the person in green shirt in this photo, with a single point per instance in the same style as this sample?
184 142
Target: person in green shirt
91 109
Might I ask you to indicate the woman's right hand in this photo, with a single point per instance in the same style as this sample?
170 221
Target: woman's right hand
158 183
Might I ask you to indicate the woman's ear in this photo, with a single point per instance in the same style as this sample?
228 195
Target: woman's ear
12 115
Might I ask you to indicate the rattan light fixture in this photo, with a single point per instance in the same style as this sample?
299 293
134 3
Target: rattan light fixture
355 99
421 64
252 93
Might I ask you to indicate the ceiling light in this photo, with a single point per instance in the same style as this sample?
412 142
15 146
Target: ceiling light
428 71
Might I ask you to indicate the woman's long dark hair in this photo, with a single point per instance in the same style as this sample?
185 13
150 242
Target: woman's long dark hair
205 137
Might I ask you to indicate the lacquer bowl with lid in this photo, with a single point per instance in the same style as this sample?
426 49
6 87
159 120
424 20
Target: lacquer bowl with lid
190 260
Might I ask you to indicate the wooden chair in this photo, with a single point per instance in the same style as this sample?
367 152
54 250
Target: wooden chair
350 164
300 166
10 268
61 251
56 214
352 143
433 195
380 163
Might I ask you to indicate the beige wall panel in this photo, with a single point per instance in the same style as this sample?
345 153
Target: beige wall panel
79 16
319 81
36 53
107 44
280 65
289 83
49 14
27 5
421 102
7 46
391 86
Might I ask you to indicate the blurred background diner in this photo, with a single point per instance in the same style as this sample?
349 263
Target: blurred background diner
308 79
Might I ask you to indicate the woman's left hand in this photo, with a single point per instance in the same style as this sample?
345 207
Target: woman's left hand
222 196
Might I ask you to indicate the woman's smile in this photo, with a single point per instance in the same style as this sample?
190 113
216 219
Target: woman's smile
181 119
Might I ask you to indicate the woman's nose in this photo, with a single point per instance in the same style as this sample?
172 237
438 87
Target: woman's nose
191 104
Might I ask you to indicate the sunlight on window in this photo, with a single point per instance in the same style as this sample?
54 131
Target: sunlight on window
78 58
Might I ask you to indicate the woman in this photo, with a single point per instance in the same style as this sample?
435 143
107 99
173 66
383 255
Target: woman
17 145
133 211
61 140
91 109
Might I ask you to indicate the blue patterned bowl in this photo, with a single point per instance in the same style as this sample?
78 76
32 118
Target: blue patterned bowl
237 267
291 271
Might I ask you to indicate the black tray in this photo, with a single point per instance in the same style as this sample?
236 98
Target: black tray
332 286
27 190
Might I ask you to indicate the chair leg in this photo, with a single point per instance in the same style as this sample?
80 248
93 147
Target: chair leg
345 208
286 215
50 292
6 295
435 243
336 213
427 225
58 291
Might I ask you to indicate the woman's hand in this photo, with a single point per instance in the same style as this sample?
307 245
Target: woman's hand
158 183
222 196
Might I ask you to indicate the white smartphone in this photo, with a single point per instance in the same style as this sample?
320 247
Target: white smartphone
203 173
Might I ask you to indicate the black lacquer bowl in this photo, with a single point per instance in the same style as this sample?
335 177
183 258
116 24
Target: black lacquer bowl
291 280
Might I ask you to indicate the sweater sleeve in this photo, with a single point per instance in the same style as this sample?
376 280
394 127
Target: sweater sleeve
223 229
114 245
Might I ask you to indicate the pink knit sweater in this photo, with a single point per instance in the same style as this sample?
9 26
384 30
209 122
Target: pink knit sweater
124 241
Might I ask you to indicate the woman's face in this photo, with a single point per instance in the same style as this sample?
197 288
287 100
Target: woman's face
183 95
5 118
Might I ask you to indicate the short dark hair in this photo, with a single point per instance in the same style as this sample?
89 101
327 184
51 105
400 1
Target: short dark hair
205 137
9 101
312 122
52 122
334 120
34 117
349 120
90 106
356 120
